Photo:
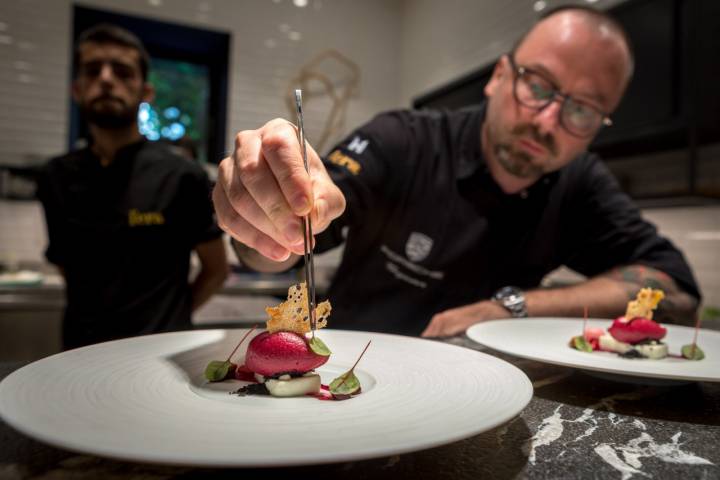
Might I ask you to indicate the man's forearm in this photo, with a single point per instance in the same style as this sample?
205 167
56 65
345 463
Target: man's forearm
213 271
255 261
677 307
606 296
206 284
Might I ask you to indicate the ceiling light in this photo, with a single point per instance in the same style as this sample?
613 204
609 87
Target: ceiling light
539 5
300 3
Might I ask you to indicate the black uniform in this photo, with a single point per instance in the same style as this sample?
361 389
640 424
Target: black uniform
428 228
123 234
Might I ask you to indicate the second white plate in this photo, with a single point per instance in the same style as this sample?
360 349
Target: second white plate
547 339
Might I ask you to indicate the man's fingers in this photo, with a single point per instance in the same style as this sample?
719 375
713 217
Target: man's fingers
329 204
242 203
242 230
433 329
260 188
266 188
446 324
281 149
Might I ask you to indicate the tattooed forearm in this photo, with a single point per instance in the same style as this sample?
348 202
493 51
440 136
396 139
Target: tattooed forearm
677 307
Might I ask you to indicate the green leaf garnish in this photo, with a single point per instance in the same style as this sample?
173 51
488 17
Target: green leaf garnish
319 347
217 370
581 343
692 352
345 384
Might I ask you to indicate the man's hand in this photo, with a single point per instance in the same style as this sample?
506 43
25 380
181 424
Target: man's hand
263 189
457 320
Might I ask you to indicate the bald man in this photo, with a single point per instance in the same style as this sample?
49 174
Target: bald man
453 218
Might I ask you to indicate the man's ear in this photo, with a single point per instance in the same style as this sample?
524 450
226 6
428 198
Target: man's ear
500 68
148 94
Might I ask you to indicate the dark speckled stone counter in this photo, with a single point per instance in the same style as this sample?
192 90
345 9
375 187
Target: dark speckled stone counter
576 426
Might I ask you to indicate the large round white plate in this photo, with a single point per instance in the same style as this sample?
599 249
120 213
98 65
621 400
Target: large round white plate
547 339
145 399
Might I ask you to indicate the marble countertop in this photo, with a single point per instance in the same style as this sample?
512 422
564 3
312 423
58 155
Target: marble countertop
576 426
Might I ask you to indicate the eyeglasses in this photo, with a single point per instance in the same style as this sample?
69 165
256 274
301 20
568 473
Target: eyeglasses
534 91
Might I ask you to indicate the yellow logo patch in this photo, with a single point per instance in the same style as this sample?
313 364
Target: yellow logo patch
339 158
136 218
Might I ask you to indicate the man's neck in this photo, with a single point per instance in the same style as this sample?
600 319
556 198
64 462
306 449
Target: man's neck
510 184
107 142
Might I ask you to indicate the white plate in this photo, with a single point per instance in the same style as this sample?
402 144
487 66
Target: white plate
145 399
547 339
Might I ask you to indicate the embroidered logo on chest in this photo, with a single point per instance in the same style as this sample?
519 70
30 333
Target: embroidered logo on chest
418 246
136 218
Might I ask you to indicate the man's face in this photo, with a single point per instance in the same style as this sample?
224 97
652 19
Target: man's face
576 58
109 87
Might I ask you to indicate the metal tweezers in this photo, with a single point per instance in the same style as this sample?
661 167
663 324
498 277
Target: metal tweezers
306 223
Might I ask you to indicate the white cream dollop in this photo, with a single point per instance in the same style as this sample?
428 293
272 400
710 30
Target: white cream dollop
286 386
653 351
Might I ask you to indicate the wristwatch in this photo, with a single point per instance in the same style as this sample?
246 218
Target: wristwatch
513 299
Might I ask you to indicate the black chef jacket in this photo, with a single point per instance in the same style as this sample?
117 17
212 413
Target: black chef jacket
427 228
123 234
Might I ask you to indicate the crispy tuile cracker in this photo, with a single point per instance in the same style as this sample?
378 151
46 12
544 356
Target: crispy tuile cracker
292 314
647 300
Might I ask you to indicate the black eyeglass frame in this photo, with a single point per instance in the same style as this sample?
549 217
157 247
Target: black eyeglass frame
518 71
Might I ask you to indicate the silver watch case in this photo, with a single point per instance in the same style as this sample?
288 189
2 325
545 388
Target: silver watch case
513 299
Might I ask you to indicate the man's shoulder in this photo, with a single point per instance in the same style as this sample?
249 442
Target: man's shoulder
160 156
586 167
588 177
69 162
433 128
430 116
